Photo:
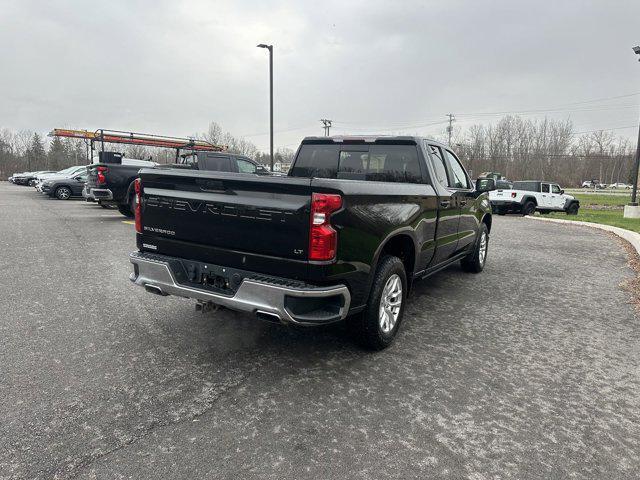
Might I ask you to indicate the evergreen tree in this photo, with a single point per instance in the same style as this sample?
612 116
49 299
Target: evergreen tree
36 154
57 157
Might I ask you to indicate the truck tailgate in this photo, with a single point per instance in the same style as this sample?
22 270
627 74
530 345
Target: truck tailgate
255 214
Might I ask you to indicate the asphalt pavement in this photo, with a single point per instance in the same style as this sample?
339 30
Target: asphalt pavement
530 369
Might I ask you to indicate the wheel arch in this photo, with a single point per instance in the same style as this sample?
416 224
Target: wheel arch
401 244
487 219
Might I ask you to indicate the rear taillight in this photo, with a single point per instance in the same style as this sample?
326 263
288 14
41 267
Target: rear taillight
101 178
513 194
137 185
323 239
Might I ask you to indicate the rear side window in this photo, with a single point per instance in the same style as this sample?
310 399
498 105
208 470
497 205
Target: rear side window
438 165
526 186
545 188
381 163
216 163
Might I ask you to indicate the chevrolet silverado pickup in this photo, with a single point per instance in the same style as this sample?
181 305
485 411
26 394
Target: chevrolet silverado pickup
343 236
527 197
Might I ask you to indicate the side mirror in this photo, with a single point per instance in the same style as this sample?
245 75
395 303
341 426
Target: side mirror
485 185
561 192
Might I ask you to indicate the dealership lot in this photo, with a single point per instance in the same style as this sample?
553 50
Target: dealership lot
533 372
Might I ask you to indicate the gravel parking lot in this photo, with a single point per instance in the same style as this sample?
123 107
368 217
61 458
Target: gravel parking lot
528 370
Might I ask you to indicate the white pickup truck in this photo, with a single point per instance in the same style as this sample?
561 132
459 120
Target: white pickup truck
527 197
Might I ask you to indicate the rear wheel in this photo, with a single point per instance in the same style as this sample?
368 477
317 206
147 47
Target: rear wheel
529 208
125 210
474 262
63 193
377 326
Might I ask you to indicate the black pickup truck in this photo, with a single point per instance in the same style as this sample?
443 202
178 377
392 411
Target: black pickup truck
112 183
343 236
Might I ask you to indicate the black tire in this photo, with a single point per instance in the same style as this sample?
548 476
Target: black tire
125 210
529 208
474 262
572 209
367 326
63 193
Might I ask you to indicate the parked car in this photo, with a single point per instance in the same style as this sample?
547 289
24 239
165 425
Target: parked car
595 184
343 235
63 188
112 184
530 196
620 186
63 173
26 177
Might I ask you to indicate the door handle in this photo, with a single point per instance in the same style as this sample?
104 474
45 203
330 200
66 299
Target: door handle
445 203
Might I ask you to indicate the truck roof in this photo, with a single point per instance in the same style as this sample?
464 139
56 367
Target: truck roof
368 139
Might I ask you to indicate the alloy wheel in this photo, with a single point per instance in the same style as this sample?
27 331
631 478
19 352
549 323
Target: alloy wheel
390 303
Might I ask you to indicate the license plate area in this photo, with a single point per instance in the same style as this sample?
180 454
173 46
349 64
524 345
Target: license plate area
207 276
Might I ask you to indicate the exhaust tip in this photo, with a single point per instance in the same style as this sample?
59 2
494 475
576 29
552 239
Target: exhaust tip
155 290
268 316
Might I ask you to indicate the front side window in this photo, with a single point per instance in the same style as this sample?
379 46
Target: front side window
555 189
245 166
459 179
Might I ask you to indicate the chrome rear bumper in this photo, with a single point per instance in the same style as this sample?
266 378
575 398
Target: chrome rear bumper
257 296
99 194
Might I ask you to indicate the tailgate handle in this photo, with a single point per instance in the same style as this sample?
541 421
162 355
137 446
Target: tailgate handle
211 185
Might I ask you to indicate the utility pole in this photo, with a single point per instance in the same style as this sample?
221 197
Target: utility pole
326 125
452 118
270 48
633 210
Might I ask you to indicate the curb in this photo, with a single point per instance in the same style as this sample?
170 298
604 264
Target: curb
632 237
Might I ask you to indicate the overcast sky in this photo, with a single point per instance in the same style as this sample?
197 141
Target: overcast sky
171 67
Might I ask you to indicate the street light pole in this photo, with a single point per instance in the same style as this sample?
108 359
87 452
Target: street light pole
636 171
270 48
633 210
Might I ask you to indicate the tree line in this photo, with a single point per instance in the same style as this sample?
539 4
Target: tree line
518 148
524 149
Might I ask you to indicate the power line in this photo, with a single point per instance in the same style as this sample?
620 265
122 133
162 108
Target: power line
278 131
604 129
557 108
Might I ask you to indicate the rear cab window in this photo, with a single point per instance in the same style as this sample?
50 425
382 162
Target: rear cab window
371 162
